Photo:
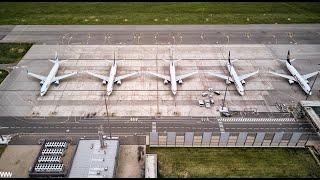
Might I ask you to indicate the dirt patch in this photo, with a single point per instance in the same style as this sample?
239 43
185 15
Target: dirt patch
68 156
130 163
18 159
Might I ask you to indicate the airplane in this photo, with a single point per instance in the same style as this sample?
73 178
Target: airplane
46 81
173 79
112 77
238 81
302 80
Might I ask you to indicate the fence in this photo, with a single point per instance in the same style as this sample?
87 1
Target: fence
231 139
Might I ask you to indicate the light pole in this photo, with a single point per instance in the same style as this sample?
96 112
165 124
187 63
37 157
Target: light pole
105 102
224 98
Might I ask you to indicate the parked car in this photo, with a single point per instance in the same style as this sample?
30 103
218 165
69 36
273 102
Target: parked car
204 94
207 102
201 103
217 92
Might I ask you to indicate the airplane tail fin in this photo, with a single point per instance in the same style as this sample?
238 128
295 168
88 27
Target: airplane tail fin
171 57
288 57
289 60
114 57
56 58
231 61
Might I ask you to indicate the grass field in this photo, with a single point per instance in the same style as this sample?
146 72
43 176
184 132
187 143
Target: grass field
235 162
3 75
2 147
13 52
158 13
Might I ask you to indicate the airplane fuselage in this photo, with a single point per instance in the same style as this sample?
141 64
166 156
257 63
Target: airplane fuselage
112 75
173 79
235 79
46 84
301 81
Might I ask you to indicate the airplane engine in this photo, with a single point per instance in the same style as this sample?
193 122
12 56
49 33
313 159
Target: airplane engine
307 81
243 82
180 81
291 82
56 82
104 82
228 82
119 82
41 83
165 82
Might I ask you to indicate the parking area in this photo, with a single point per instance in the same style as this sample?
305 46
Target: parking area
148 96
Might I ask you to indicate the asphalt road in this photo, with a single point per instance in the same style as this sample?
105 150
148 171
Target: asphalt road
163 34
143 125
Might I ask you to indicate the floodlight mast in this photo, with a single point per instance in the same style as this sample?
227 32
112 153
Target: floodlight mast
224 98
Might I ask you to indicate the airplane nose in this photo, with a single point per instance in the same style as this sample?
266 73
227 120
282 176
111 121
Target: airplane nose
310 93
241 93
174 92
109 93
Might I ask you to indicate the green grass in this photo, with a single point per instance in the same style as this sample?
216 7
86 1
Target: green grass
235 162
163 12
2 147
13 52
3 75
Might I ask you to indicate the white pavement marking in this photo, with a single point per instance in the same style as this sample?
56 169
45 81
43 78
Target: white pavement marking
154 126
221 127
240 119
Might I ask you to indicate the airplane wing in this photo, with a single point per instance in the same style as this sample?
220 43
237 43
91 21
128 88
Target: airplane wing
105 78
166 60
125 76
160 76
307 76
234 60
284 76
63 76
245 76
186 75
42 78
219 76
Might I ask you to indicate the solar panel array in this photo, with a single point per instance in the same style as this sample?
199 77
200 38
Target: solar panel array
46 167
50 160
55 144
52 151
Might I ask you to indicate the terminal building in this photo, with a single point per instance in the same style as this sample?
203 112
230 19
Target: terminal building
95 159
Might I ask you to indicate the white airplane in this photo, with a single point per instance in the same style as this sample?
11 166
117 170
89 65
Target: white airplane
112 77
51 78
238 81
296 77
173 79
